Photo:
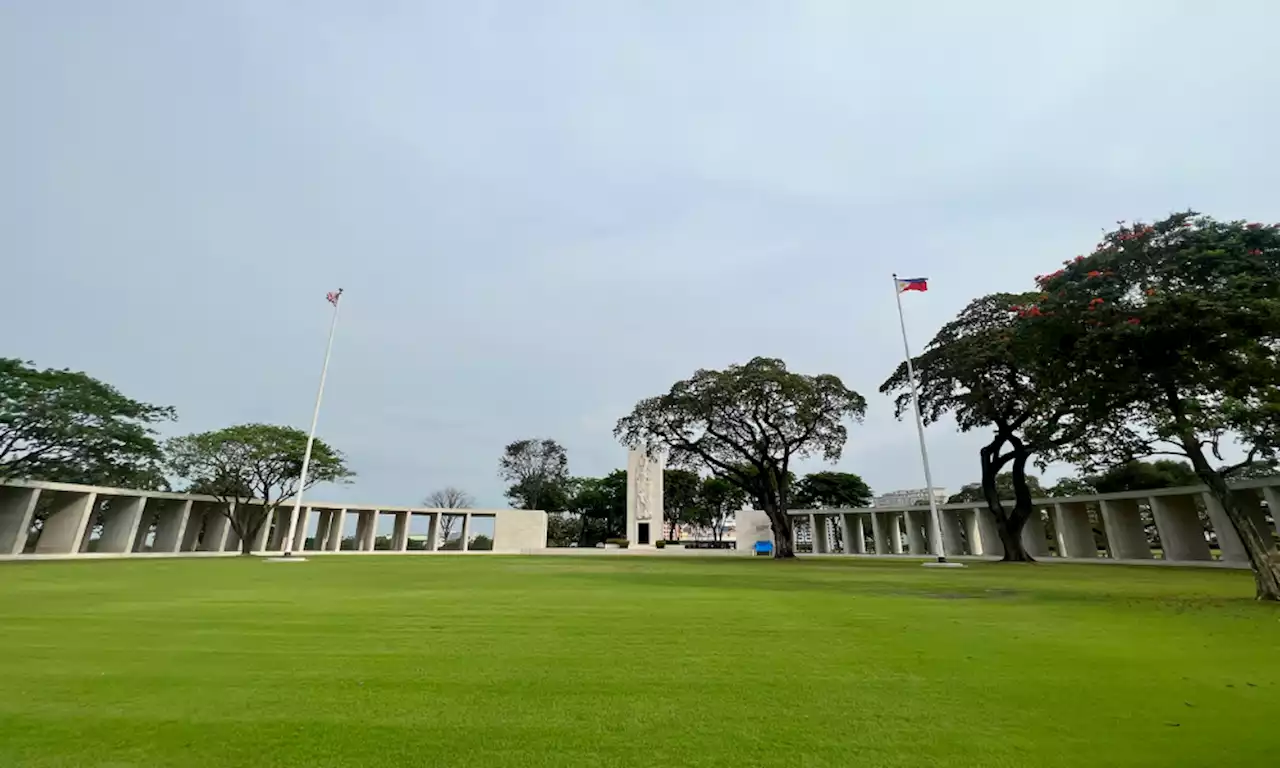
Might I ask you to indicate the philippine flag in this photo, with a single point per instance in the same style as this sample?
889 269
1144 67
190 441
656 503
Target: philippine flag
913 284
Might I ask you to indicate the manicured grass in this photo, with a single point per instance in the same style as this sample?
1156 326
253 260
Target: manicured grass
631 661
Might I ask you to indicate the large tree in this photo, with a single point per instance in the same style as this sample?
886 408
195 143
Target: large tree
538 473
1143 476
252 469
718 501
448 497
832 490
747 424
66 426
1175 327
986 370
600 506
680 489
975 492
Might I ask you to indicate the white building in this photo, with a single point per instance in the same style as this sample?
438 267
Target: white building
909 498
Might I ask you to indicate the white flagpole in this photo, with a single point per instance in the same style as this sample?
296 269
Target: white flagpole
934 520
311 437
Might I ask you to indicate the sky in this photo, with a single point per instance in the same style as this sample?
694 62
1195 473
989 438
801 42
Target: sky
542 212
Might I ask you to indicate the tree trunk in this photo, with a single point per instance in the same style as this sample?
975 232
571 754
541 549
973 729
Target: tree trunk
1008 524
1257 544
783 540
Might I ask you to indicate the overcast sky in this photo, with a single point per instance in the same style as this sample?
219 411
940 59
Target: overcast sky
544 211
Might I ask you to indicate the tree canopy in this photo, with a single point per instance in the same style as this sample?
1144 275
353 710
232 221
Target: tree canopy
680 502
538 473
1171 330
252 468
974 492
832 490
757 415
66 426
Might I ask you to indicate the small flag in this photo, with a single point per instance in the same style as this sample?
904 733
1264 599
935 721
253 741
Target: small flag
913 284
333 296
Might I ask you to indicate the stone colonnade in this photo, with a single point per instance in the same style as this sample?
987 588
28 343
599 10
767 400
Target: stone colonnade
1176 524
135 522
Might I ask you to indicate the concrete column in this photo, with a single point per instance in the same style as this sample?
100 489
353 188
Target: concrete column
217 529
917 523
893 522
366 527
949 521
400 537
270 535
323 518
1251 504
1229 543
818 534
1181 533
880 532
123 515
64 528
433 531
1034 538
466 531
232 542
1272 495
854 541
300 528
971 531
171 524
145 521
1125 534
17 506
333 540
371 531
195 524
988 534
1075 531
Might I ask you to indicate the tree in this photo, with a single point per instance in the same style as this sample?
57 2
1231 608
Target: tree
600 506
718 500
1143 476
1071 486
1174 328
680 489
448 497
66 426
538 470
974 492
832 490
258 463
986 370
757 415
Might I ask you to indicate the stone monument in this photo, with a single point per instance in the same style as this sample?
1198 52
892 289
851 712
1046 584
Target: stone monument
644 498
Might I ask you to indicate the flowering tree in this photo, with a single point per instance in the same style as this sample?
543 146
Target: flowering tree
1173 329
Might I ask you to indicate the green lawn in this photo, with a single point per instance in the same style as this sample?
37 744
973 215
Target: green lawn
631 661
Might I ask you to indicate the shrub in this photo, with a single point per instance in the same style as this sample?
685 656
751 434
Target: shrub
622 543
660 544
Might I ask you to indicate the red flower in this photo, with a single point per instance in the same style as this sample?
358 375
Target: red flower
1255 252
1079 258
1094 273
1151 291
1254 225
1133 321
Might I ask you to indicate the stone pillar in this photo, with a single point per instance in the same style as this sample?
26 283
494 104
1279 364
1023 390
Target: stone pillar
1034 538
17 506
217 529
466 532
337 521
300 528
323 518
1125 534
1229 543
232 542
949 521
123 515
171 524
270 532
65 526
145 521
988 534
400 537
366 530
855 542
433 532
917 524
818 534
195 525
1251 505
1075 531
644 498
880 532
893 522
1181 533
1272 494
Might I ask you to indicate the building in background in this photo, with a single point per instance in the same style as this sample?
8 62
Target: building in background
910 498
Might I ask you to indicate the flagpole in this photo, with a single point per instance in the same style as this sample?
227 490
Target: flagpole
934 520
311 437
